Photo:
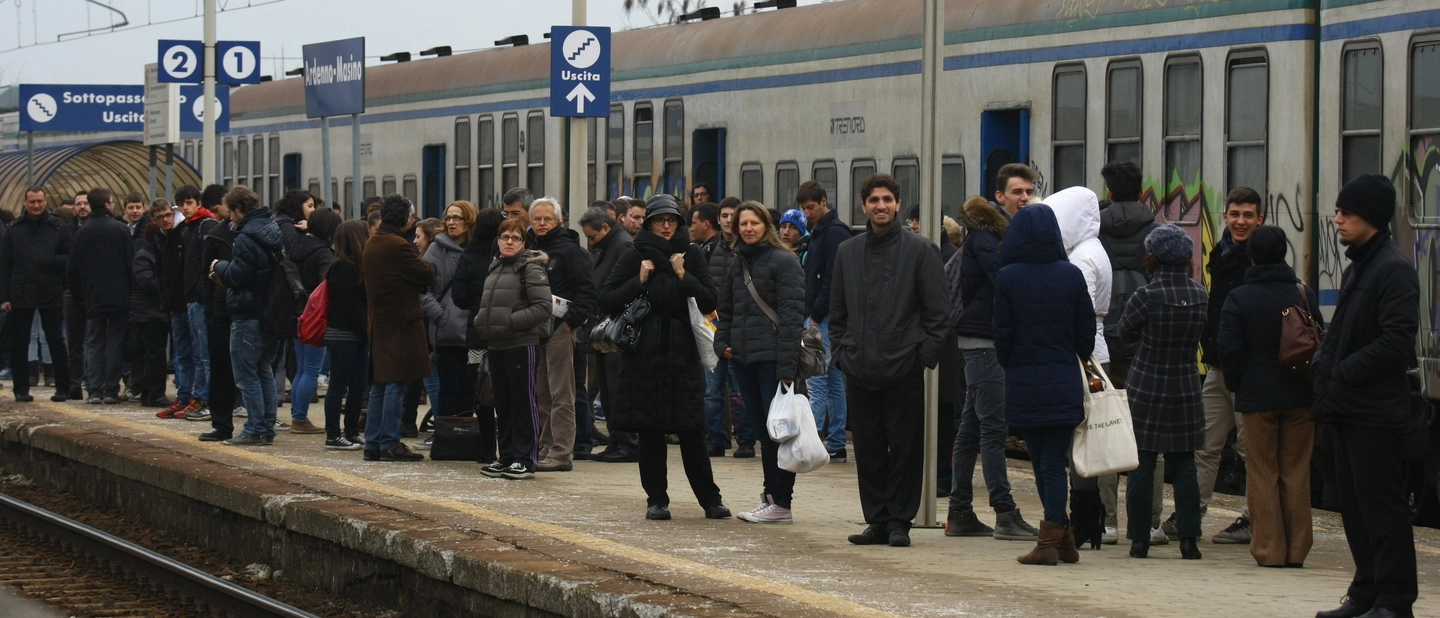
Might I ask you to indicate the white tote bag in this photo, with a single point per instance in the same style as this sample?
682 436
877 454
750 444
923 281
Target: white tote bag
704 331
1105 442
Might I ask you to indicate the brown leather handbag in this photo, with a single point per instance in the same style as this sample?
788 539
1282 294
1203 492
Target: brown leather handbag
1300 336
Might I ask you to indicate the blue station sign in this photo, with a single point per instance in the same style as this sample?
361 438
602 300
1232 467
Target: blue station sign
335 78
100 108
580 71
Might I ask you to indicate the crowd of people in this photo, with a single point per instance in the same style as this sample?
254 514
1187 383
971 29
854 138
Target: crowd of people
489 314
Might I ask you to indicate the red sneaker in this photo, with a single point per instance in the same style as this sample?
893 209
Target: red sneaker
193 406
173 411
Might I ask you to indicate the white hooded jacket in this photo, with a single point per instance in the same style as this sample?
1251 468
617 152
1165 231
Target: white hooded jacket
1078 212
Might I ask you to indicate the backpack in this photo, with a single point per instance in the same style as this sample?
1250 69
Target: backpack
284 300
315 320
1123 285
952 285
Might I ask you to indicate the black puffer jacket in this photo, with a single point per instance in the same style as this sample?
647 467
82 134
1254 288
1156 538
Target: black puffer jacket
312 256
1249 340
1226 264
172 270
218 246
469 284
719 264
1360 368
102 269
348 307
607 252
192 237
985 228
744 328
1123 228
33 258
516 301
569 272
662 385
247 274
145 302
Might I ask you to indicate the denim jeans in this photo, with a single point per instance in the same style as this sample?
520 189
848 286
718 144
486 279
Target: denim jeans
757 386
716 396
347 386
183 347
308 360
104 347
980 434
1049 449
382 425
252 360
200 351
827 400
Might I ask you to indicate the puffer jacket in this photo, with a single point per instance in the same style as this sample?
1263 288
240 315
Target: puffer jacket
569 274
172 270
1249 340
312 256
469 283
825 238
1044 324
33 258
1123 228
744 328
146 306
516 301
719 267
1078 212
247 274
192 235
446 320
1228 261
218 245
986 225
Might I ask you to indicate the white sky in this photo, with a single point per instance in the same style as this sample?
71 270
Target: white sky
281 26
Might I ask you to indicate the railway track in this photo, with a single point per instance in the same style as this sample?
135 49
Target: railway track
94 574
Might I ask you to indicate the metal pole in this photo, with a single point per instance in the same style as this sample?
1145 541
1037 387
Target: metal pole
210 169
355 161
29 158
153 156
170 170
934 38
576 177
325 160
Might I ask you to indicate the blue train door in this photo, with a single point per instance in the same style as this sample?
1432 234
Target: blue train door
432 168
1004 139
291 171
708 158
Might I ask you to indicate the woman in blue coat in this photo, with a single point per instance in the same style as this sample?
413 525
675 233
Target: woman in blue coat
1044 324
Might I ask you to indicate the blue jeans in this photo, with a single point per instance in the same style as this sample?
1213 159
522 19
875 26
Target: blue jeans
382 425
1049 449
184 351
308 360
716 396
757 387
980 434
252 359
827 400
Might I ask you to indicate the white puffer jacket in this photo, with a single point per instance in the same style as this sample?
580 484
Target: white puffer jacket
1078 212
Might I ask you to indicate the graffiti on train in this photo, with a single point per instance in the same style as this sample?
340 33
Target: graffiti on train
1416 175
1076 10
1188 206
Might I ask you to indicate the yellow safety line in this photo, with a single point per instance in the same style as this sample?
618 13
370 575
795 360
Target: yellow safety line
820 600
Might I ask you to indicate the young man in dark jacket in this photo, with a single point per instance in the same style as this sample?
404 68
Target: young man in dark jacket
223 394
101 274
570 279
722 399
246 277
608 241
887 319
1362 396
149 322
75 306
192 351
34 256
827 390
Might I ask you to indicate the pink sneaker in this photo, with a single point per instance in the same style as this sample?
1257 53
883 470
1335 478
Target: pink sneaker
767 513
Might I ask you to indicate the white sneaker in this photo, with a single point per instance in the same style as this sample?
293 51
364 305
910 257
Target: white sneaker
767 513
1111 536
1157 537
424 446
239 412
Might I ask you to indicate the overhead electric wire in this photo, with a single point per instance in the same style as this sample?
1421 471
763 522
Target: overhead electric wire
107 31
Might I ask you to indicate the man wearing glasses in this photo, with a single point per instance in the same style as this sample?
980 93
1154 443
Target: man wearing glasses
516 204
574 294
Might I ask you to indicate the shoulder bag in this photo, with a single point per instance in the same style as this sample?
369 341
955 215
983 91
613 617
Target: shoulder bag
812 361
1105 442
1300 336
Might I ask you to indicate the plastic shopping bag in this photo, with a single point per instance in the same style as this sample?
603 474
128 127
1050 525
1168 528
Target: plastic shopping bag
805 452
1105 442
704 331
787 411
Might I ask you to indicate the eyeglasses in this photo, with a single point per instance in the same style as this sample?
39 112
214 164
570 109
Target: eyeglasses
511 214
511 238
449 218
670 221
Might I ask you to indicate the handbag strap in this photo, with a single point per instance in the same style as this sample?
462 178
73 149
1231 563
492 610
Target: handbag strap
750 285
1304 303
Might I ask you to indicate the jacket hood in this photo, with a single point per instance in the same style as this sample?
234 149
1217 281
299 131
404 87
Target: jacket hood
952 231
304 246
1078 211
1271 272
447 243
531 256
1125 219
258 226
979 214
202 213
559 235
1033 238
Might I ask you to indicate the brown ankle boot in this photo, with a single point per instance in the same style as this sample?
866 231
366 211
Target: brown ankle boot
1045 551
1066 548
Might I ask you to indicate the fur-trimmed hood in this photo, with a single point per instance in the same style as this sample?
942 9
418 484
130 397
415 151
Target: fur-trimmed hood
953 231
980 214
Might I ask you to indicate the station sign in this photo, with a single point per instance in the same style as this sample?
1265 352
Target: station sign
162 109
183 62
334 78
90 108
579 71
237 62
192 109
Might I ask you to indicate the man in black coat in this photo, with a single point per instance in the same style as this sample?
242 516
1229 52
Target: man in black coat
570 279
223 394
1362 398
608 241
100 277
827 390
149 322
33 257
887 320
75 306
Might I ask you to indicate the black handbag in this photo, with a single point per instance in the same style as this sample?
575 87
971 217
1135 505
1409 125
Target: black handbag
457 438
620 332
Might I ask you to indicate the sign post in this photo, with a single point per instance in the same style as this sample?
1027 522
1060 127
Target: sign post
933 39
335 86
579 89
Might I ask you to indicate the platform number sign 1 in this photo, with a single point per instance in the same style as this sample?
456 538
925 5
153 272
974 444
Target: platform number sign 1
180 62
580 71
239 62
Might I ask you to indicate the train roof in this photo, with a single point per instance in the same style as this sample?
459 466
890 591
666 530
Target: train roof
813 32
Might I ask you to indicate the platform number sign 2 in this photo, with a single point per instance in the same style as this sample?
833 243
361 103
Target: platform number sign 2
180 62
239 62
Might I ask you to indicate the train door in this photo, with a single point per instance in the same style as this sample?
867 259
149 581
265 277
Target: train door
708 156
432 170
1004 139
291 171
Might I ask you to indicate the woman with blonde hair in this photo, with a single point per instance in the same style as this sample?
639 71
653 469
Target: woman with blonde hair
447 321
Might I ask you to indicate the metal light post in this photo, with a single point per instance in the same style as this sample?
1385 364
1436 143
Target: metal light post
210 165
577 195
934 40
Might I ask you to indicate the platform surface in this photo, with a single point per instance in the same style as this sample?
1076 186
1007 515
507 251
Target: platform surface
599 507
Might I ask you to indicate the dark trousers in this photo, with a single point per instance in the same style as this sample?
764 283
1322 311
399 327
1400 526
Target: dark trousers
222 379
410 410
888 428
149 362
104 351
20 322
607 373
584 417
516 412
349 361
653 468
74 343
1371 478
1049 449
757 385
457 381
1140 499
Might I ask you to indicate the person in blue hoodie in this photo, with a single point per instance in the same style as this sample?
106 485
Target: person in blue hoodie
1044 324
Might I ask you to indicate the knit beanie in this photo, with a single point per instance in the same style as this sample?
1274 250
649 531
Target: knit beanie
1371 196
796 218
1170 244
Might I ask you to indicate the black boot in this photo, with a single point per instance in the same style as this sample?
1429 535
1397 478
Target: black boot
1188 549
49 369
34 373
1140 548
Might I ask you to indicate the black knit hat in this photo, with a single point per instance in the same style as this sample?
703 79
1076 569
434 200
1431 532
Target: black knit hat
662 204
1371 196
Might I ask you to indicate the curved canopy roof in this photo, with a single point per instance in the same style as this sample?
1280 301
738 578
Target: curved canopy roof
120 166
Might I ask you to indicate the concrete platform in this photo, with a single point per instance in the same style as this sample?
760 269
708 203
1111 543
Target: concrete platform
451 541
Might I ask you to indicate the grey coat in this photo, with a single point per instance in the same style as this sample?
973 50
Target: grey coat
446 321
750 334
516 301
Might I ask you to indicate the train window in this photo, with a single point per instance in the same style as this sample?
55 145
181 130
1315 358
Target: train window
227 163
1068 134
313 186
952 185
190 153
412 188
907 173
752 182
860 170
787 184
1124 107
275 159
242 161
509 152
349 192
334 190
462 158
592 127
644 148
367 189
485 135
535 154
257 169
1184 100
387 185
1247 106
675 148
1424 121
615 153
824 172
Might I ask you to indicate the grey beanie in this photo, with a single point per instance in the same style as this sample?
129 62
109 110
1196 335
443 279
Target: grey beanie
662 204
1170 244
